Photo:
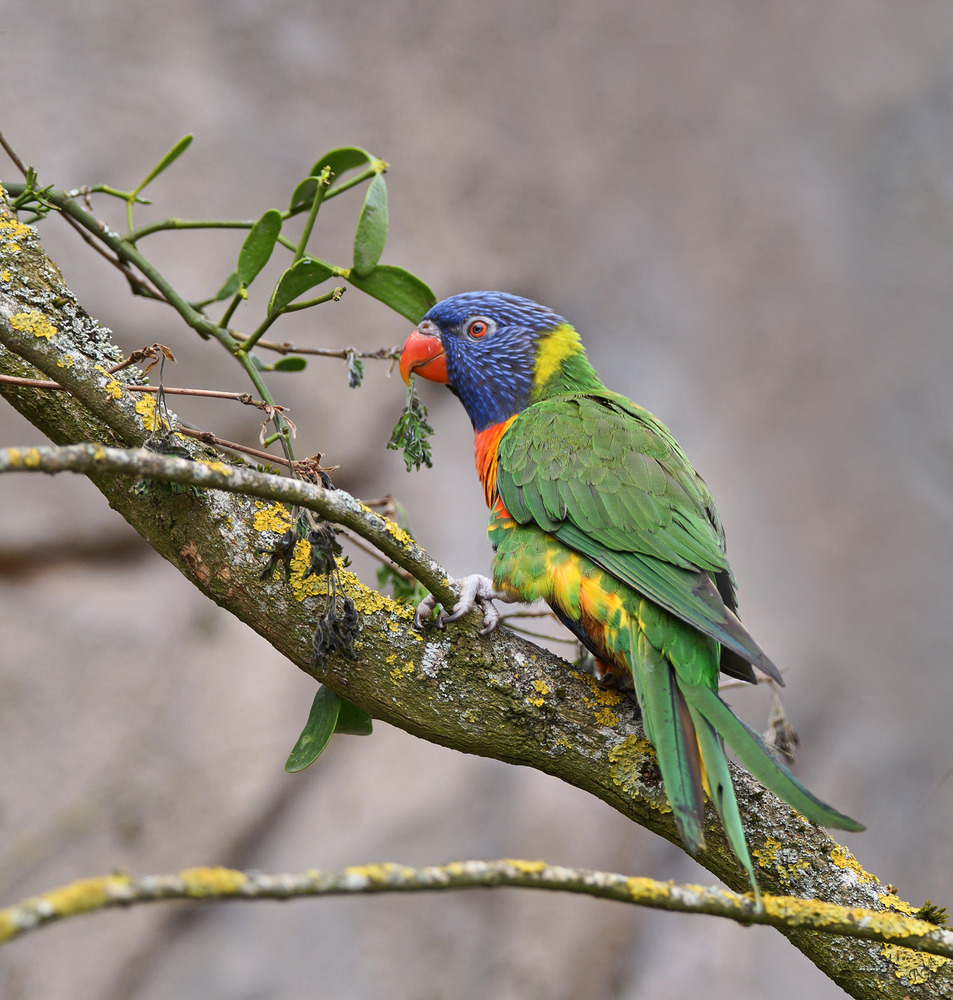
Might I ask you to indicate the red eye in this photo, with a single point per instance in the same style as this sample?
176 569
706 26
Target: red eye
478 328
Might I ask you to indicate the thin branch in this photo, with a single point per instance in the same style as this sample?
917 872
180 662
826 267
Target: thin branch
240 397
541 636
11 152
334 505
207 437
165 225
136 284
94 894
381 354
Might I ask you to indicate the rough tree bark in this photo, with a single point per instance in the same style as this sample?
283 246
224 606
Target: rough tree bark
498 696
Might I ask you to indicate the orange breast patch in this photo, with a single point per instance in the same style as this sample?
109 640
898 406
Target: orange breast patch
485 444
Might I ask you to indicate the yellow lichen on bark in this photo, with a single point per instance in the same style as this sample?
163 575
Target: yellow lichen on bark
401 671
624 765
378 873
366 600
542 689
641 888
841 857
271 517
11 231
601 699
85 894
212 881
767 854
396 531
34 322
146 408
606 717
222 468
526 867
914 966
894 902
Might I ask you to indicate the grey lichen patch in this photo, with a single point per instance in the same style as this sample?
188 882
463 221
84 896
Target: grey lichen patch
35 283
92 339
434 657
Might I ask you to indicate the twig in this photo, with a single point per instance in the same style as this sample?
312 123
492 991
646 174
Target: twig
207 437
240 397
137 284
9 150
381 354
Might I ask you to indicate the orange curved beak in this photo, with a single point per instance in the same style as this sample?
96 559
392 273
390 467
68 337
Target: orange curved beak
423 355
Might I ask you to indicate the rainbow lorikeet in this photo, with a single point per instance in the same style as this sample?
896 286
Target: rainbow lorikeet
596 510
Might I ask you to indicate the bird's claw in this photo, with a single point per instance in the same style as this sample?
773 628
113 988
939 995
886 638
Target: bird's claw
425 610
475 592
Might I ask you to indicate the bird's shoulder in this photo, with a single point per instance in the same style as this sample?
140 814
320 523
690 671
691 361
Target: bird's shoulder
605 438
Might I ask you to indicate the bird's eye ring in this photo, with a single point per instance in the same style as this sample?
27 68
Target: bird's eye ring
478 328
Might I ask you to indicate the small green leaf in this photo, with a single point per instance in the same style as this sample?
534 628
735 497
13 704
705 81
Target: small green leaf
303 194
403 590
371 232
353 721
258 246
174 153
297 279
340 161
317 730
289 364
228 289
404 292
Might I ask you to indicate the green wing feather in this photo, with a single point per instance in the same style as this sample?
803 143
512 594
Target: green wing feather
609 481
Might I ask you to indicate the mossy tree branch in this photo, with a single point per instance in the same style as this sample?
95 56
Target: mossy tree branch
498 696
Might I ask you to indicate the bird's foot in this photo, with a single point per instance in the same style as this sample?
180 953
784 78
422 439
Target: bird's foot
611 676
475 592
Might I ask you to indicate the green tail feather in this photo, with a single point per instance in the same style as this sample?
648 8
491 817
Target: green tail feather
755 756
723 792
669 727
687 724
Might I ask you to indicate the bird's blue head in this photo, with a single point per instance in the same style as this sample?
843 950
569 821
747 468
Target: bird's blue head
488 347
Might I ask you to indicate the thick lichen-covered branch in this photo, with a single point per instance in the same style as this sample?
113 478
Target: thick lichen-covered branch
497 696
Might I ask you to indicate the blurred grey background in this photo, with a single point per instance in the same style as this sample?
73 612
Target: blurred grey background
747 209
